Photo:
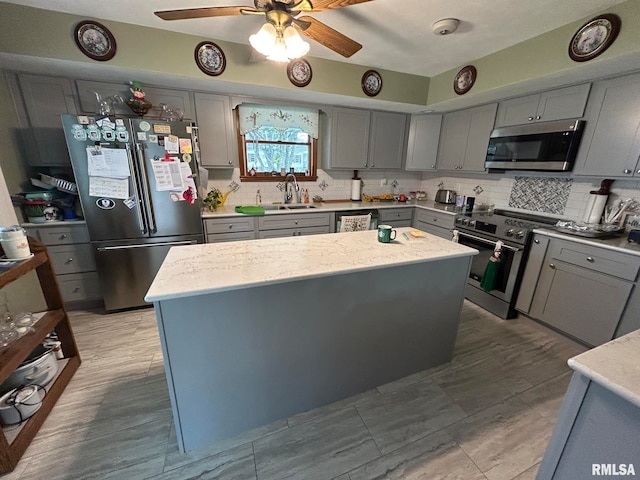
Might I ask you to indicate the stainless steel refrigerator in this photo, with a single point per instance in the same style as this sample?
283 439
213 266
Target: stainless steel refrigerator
137 181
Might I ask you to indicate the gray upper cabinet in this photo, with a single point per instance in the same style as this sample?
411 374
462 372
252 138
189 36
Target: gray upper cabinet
216 133
557 104
45 99
611 141
464 138
422 144
179 99
359 139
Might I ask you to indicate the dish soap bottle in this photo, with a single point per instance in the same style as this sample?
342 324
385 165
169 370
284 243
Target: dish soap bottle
258 198
306 195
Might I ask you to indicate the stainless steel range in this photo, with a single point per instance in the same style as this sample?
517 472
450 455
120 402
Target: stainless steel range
482 231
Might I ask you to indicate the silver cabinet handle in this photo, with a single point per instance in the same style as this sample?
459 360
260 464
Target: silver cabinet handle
530 119
590 259
76 290
627 171
433 166
69 260
551 265
435 220
231 225
536 241
62 237
638 172
296 222
538 117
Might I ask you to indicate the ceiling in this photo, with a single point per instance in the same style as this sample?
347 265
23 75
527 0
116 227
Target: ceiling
396 35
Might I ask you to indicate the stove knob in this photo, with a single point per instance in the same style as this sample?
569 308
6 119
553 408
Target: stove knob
459 220
510 232
520 234
472 223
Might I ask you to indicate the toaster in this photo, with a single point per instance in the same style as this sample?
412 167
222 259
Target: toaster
445 196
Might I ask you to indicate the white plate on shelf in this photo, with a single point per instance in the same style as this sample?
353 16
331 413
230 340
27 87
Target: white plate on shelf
4 258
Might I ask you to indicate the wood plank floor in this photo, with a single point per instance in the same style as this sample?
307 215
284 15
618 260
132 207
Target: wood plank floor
486 415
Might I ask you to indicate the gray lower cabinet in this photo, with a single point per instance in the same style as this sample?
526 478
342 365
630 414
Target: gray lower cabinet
396 217
72 259
436 223
294 225
596 429
464 139
229 229
579 289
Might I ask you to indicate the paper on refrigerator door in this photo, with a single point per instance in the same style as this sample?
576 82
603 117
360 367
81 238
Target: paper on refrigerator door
168 176
109 187
188 181
108 162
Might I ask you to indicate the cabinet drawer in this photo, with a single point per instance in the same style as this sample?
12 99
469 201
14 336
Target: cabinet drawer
272 222
598 259
440 219
61 235
72 258
434 230
229 225
294 232
230 237
395 214
79 286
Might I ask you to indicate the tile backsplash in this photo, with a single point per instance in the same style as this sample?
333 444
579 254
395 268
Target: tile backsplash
554 196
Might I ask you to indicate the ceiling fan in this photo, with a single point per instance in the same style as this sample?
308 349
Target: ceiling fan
281 14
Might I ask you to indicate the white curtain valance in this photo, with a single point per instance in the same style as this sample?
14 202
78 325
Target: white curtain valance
254 116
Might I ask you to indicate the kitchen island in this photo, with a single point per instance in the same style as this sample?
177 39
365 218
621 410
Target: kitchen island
256 331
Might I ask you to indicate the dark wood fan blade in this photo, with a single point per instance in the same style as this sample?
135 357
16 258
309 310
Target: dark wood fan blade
329 37
320 5
202 12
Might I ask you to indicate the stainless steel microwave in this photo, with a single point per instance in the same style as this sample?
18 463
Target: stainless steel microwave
546 146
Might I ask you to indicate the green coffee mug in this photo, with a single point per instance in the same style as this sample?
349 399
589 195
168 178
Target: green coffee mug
384 233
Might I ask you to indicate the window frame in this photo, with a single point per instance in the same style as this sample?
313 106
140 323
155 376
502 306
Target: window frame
266 176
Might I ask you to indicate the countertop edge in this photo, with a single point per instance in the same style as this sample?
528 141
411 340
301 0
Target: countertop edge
619 357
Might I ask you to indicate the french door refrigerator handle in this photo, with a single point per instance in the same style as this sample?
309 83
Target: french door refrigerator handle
145 245
145 189
136 193
488 242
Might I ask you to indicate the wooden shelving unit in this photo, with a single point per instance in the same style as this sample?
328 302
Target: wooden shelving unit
13 444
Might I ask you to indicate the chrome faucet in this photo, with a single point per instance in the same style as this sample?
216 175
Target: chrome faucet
288 193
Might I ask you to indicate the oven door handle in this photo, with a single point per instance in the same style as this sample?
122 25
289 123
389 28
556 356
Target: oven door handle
488 242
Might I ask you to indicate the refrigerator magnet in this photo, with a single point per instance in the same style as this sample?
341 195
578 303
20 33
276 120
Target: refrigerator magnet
119 122
105 203
185 145
153 138
142 136
130 202
83 119
108 135
80 134
144 126
186 157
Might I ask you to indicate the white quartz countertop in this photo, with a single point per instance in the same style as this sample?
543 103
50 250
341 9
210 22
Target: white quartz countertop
216 267
614 365
618 243
229 210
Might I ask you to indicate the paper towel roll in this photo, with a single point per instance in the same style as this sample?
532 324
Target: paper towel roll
589 209
355 189
597 208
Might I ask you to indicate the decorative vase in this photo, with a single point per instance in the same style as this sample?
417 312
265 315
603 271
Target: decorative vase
139 107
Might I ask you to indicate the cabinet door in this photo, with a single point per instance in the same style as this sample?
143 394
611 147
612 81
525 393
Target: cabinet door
480 126
434 230
453 140
293 232
216 131
563 103
387 139
580 302
349 138
517 111
422 145
45 99
611 142
87 90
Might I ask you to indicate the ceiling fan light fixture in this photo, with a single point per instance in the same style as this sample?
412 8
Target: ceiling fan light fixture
445 26
279 44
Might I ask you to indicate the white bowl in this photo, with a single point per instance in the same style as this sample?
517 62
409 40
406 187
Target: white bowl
19 404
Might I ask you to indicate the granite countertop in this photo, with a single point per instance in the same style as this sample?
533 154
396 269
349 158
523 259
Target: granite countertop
229 210
216 267
618 243
614 365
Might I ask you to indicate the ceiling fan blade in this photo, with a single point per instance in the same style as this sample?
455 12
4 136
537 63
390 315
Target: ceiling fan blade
329 37
320 5
203 12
